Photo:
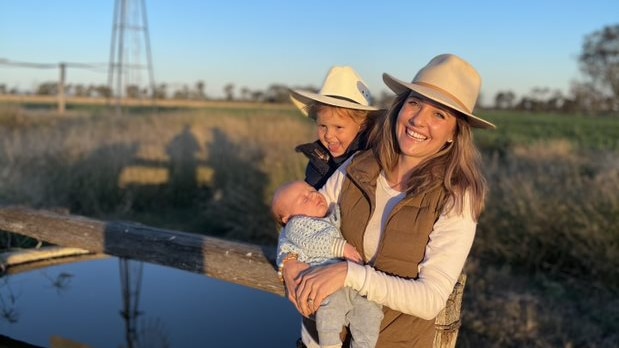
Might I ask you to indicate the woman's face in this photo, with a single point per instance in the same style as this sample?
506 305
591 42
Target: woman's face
336 131
423 128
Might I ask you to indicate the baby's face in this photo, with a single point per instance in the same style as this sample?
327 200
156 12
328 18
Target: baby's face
300 198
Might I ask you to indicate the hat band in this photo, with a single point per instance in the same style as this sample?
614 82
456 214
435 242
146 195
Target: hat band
446 93
342 98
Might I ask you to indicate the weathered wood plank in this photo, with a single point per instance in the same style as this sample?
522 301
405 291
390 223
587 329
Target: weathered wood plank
33 265
21 256
240 263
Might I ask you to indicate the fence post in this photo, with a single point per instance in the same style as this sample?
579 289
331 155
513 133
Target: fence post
447 322
61 90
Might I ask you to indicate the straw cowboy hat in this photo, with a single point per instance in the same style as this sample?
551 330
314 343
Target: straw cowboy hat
342 87
449 81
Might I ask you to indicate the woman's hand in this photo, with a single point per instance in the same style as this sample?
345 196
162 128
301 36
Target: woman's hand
291 274
316 284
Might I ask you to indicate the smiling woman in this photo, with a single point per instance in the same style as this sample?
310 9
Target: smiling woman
409 204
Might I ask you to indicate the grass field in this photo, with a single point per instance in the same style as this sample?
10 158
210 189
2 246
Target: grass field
543 271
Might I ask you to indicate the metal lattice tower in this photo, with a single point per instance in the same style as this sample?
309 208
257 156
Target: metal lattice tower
131 287
127 63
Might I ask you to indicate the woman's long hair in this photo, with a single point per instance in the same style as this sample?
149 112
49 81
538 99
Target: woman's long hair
456 167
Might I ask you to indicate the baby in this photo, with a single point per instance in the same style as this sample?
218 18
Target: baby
311 232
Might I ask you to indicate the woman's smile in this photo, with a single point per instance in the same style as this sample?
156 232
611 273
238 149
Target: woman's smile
415 135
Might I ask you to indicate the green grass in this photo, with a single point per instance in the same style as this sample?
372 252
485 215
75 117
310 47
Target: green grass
584 133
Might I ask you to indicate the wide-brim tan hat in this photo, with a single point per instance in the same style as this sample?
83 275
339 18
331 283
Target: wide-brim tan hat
342 87
448 80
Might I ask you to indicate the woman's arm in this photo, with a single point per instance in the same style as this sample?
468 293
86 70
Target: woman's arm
424 297
446 252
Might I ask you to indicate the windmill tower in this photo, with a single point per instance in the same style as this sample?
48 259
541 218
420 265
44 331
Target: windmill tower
127 60
131 286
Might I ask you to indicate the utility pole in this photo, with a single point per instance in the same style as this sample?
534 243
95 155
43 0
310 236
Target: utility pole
61 94
125 61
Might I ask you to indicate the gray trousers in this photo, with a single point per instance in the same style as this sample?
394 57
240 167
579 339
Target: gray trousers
347 308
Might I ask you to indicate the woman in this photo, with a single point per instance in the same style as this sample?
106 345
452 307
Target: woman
342 112
410 204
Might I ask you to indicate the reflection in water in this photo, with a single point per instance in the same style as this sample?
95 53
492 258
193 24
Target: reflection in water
151 333
130 282
7 302
159 307
60 282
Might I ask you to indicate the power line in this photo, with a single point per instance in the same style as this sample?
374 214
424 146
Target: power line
97 67
4 61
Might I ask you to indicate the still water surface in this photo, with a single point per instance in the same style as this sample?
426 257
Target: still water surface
84 302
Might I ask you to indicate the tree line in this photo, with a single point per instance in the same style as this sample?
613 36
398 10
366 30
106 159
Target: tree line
597 93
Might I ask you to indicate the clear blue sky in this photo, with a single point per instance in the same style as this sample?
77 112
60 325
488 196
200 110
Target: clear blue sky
516 45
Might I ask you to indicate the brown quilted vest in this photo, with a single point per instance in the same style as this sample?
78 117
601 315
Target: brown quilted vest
402 245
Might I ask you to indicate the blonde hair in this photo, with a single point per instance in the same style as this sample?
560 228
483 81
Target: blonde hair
359 116
456 167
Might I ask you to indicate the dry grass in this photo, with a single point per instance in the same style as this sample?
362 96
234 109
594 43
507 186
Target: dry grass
544 267
200 167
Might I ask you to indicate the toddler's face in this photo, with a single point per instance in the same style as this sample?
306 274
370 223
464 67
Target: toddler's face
300 198
336 132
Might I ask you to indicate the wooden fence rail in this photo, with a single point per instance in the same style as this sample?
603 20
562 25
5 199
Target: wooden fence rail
240 263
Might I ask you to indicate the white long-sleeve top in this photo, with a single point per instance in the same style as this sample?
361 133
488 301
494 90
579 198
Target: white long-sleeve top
445 254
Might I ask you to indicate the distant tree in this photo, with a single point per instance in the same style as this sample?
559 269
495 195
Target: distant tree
599 60
102 91
385 99
2 88
229 91
200 90
257 96
245 93
81 91
556 101
48 88
539 97
588 99
526 104
182 93
161 91
133 91
504 100
277 93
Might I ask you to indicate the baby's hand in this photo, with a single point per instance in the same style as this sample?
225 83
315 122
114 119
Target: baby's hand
351 254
